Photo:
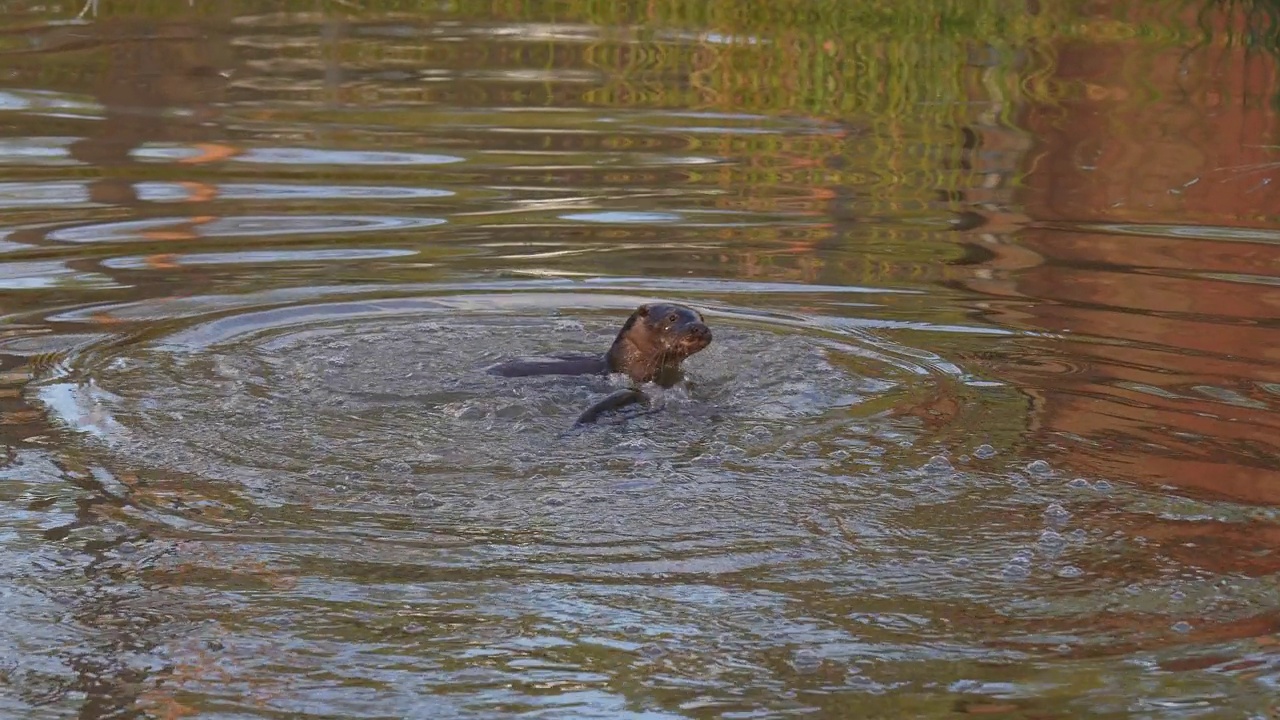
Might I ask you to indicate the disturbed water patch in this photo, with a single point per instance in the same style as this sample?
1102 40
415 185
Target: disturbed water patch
351 455
348 387
375 417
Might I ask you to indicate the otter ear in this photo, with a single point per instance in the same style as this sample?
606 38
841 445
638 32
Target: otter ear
643 311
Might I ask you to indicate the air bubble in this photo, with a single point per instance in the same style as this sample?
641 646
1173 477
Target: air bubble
806 661
1070 571
568 326
427 500
1181 626
1079 484
1050 539
1056 513
1039 468
394 465
1016 572
938 464
984 452
1102 486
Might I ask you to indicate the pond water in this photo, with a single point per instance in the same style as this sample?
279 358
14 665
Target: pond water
989 423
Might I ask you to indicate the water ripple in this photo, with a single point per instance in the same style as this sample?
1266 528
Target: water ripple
58 194
242 226
42 275
251 462
249 257
296 156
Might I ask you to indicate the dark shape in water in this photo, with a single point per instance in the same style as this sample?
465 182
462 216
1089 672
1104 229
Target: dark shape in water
649 348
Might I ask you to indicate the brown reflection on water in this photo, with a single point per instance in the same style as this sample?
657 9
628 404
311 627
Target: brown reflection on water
154 82
148 71
1170 136
1164 336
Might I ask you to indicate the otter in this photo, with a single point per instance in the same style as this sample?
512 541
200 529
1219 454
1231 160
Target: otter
649 348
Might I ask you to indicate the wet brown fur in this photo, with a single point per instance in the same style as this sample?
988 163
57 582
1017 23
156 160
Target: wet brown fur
654 341
648 348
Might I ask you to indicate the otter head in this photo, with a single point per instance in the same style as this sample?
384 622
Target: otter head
655 340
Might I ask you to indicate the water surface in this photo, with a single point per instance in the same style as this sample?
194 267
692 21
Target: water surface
988 425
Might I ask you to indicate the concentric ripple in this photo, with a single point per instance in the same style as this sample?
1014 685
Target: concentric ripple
788 454
374 394
360 440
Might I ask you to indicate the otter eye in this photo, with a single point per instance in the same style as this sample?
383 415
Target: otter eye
672 317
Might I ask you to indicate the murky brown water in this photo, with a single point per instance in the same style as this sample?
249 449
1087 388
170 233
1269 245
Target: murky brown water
989 425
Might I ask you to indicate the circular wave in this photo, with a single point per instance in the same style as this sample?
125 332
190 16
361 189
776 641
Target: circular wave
802 451
387 397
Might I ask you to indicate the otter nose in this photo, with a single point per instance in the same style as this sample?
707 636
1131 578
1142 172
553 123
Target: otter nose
700 331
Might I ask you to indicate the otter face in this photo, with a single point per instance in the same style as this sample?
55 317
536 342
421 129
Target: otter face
655 340
679 330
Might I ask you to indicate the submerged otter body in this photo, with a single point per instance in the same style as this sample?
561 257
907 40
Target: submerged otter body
649 348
